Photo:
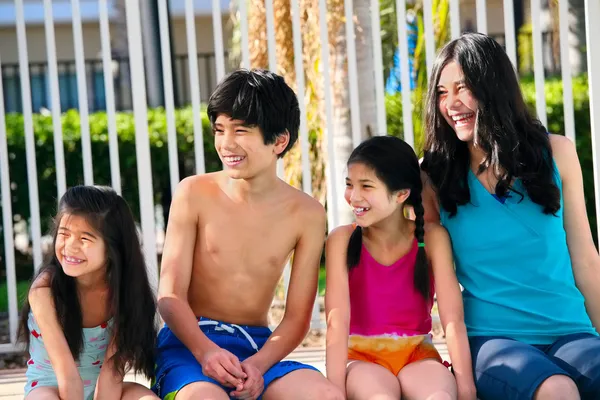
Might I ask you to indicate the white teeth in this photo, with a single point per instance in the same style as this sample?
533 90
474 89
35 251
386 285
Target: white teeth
234 159
361 209
72 259
459 117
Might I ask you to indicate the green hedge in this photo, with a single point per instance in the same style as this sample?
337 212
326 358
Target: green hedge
101 162
555 113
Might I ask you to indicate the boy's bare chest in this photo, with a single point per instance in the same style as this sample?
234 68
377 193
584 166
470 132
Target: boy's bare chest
250 238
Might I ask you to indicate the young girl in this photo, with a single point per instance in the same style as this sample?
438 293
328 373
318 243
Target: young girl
511 197
90 314
380 289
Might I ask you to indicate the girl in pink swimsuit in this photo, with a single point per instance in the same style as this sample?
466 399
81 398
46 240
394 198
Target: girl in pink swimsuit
380 286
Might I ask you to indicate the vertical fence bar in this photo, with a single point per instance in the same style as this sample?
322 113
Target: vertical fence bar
244 33
352 72
272 53
482 16
190 24
218 39
142 143
509 32
429 35
59 152
565 65
407 107
271 36
165 44
455 18
32 182
592 27
300 85
538 62
109 94
7 223
332 213
378 63
84 123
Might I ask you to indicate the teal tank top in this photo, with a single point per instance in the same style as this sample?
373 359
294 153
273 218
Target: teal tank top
514 265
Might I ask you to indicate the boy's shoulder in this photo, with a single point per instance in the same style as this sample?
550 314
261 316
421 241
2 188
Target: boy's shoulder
303 201
199 184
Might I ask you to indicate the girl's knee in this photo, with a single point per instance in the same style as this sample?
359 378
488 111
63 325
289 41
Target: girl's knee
328 391
557 387
43 393
442 395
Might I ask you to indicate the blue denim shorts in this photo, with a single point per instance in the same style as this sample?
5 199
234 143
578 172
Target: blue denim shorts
506 369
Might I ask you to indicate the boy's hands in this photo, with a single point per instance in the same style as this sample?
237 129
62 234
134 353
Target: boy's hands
223 367
254 384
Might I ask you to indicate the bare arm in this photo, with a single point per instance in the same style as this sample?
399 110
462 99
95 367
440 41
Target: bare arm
337 306
301 292
110 383
584 256
430 200
450 305
176 272
175 276
70 385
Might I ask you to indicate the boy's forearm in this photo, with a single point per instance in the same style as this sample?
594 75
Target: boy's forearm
180 318
284 339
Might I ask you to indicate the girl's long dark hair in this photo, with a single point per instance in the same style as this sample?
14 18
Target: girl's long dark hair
396 165
132 301
515 143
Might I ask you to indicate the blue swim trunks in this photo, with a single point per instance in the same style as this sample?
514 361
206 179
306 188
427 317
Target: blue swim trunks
176 367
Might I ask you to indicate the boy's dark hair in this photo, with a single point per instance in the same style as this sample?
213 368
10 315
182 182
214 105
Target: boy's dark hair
132 302
515 143
395 163
259 98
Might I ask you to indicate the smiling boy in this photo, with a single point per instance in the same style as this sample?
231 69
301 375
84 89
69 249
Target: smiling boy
229 236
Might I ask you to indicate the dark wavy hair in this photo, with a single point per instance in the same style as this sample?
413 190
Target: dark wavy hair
395 163
259 98
516 144
132 301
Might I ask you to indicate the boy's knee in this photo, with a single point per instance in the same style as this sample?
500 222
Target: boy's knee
557 387
201 391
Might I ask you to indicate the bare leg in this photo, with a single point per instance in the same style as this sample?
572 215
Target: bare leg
202 391
43 393
135 391
369 381
302 384
557 387
427 380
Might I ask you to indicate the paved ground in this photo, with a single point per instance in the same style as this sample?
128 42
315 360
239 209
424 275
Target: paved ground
12 382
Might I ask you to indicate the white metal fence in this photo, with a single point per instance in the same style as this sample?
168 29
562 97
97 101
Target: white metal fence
138 64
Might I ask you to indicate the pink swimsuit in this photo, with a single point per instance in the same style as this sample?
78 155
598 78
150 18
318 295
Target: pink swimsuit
390 321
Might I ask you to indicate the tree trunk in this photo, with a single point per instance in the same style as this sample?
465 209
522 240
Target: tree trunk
366 67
